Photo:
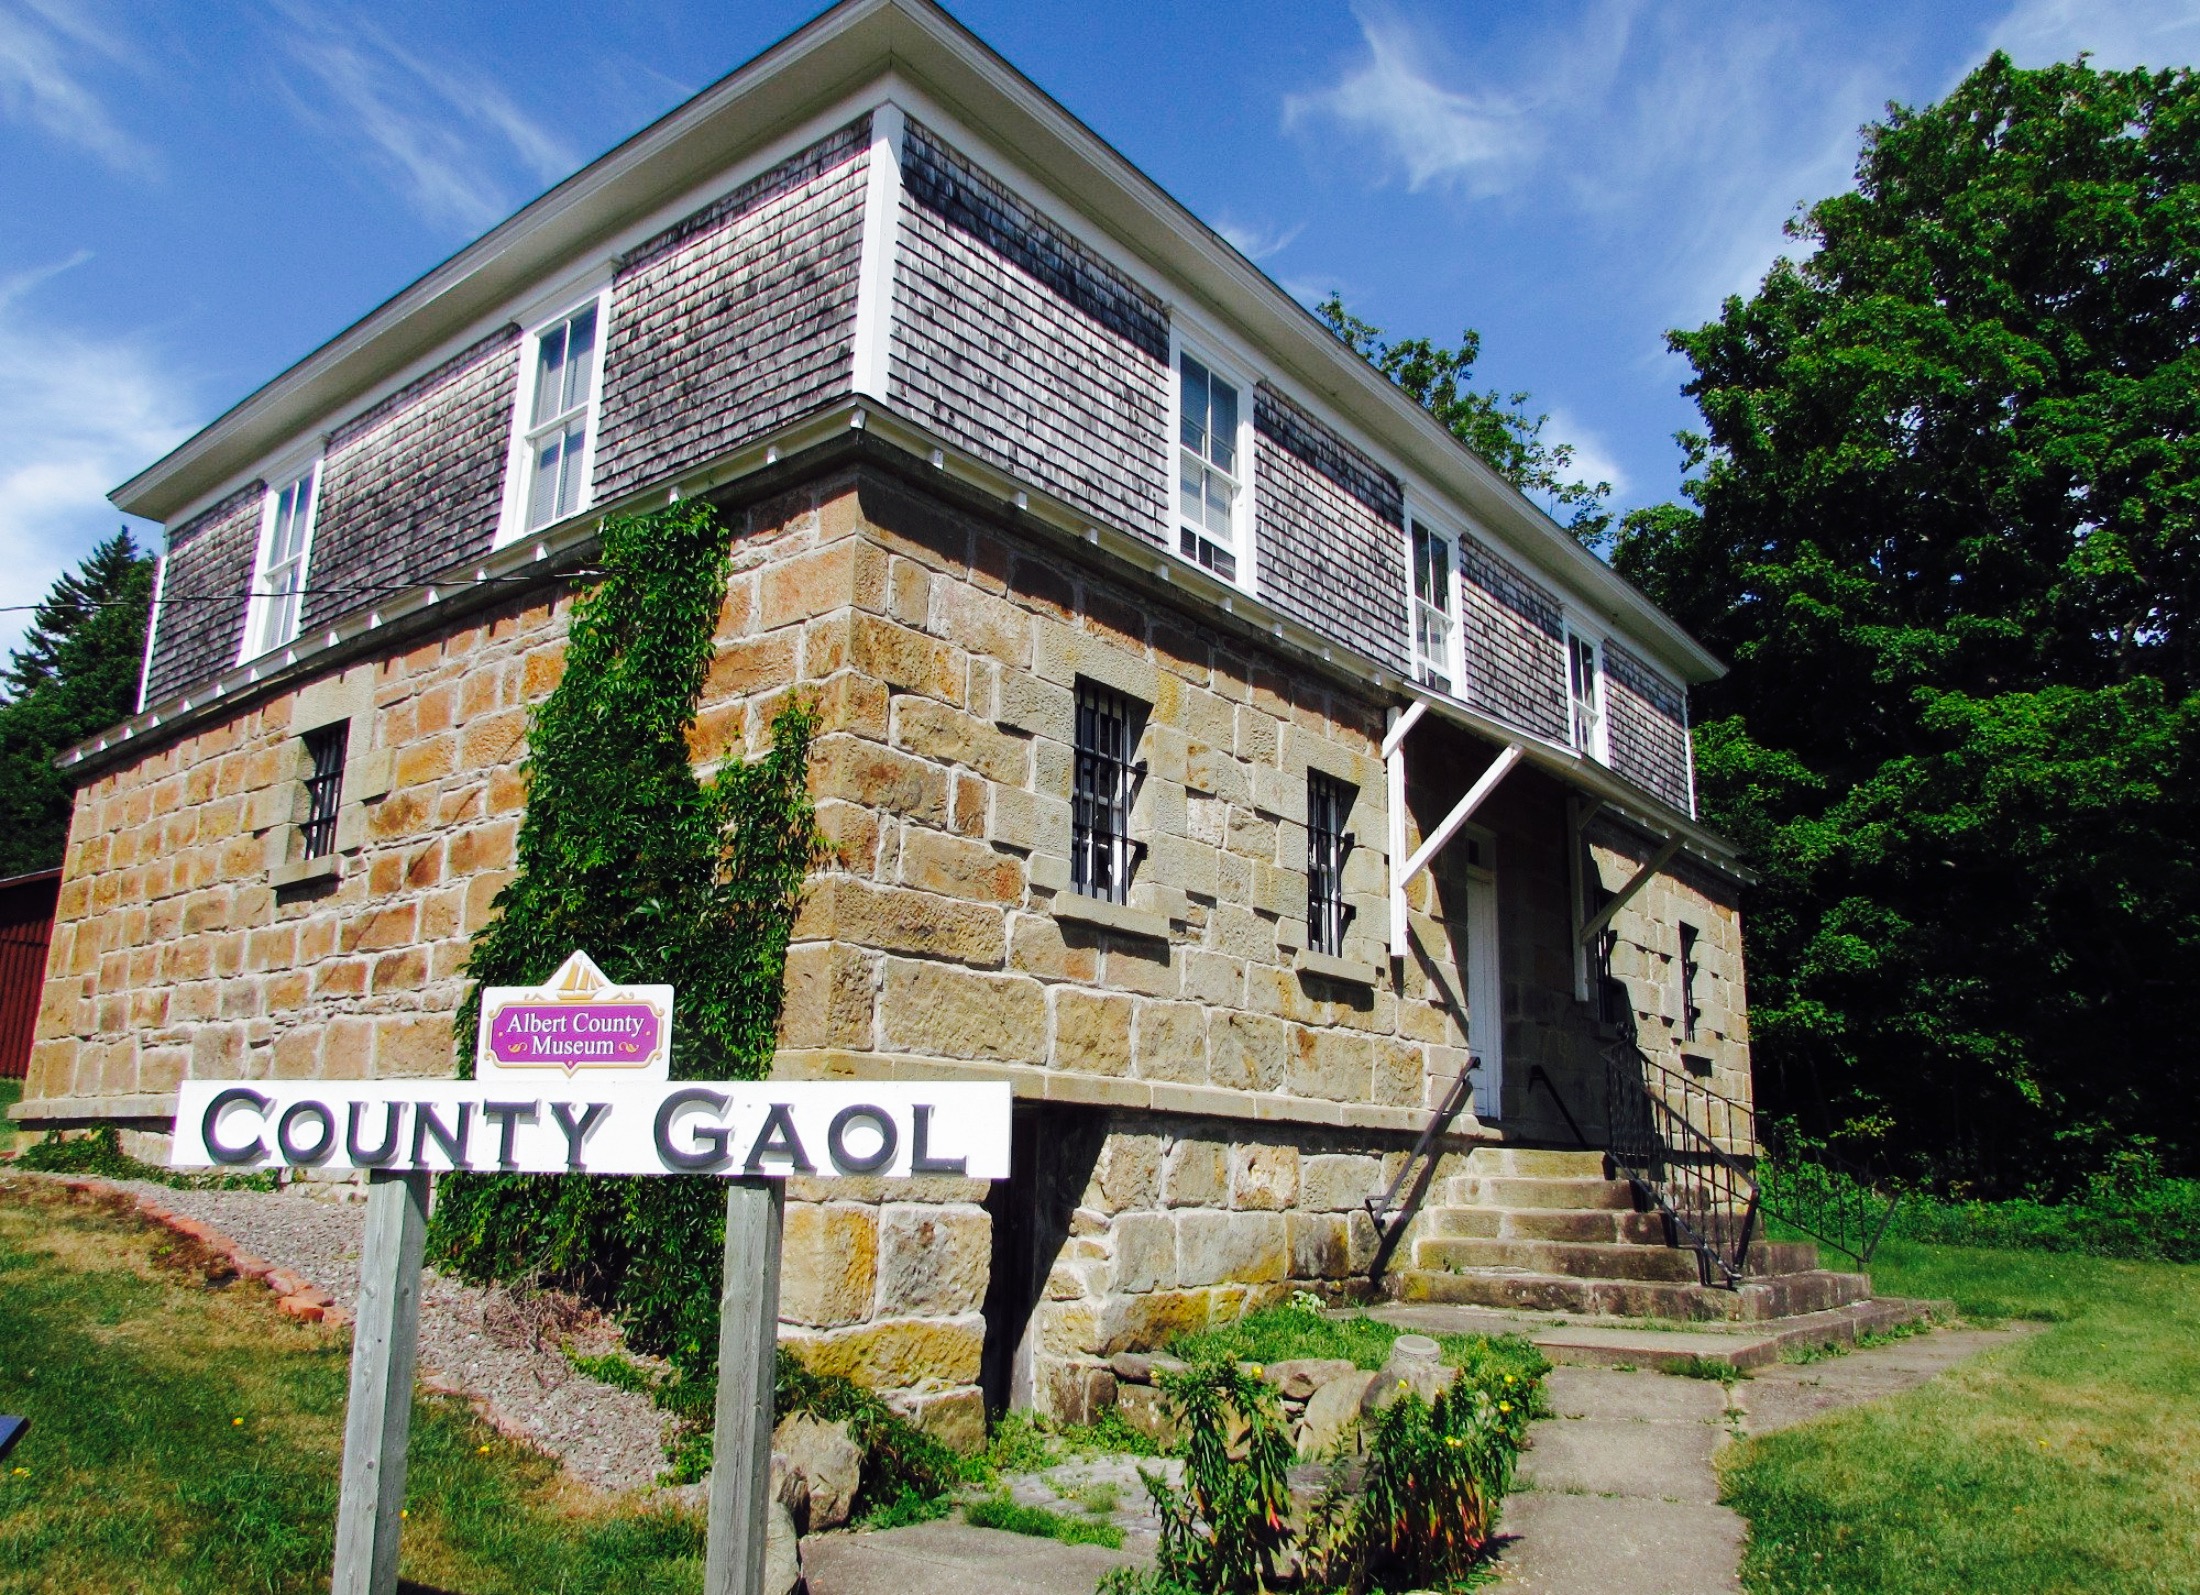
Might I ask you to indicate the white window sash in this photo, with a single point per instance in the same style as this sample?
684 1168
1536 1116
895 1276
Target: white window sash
277 600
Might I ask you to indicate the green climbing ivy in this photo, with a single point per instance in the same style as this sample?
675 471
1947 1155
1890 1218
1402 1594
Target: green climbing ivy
663 877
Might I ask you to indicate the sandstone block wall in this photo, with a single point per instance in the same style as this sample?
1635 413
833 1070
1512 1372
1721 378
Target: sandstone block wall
176 954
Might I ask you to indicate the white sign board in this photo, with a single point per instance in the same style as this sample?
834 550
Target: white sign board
598 1125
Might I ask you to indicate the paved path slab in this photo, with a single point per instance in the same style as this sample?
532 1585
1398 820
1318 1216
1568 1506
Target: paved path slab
1619 1489
952 1558
1792 1393
1595 1545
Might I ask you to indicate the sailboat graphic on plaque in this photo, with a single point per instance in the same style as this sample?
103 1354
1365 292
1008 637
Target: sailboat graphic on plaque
576 1022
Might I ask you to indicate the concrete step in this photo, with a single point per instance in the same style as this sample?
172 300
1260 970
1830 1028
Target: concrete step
1549 1224
1783 1297
1535 1163
1576 1259
1740 1345
1475 1190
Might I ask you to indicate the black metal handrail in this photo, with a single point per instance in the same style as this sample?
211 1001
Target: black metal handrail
1414 1173
1827 1198
1704 1190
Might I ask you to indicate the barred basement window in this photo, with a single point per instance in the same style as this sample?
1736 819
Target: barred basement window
1100 844
1690 1012
324 787
1327 803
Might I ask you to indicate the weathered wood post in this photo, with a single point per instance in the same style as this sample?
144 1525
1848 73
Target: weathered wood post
385 1343
748 1338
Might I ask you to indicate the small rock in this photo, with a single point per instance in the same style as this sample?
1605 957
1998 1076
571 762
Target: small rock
791 1490
1333 1411
1142 1410
782 1552
1141 1367
1300 1377
300 1308
830 1463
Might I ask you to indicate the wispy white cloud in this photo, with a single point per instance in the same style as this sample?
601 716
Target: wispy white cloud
1256 240
1593 461
78 413
1681 139
2118 33
50 50
1478 138
454 142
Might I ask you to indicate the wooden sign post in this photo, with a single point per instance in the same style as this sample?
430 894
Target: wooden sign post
572 1079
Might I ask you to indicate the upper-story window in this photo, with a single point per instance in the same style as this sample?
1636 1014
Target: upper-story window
1433 615
1210 477
286 537
561 416
1585 694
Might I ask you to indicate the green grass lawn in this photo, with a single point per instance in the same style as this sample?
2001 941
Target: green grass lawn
11 1092
186 1437
2069 1460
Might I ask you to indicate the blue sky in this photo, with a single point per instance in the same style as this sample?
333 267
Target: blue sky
192 196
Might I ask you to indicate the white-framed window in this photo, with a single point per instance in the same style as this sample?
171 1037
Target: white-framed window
1435 606
1212 458
554 446
279 574
1585 694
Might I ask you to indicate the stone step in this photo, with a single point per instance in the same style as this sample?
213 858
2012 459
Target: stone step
1549 1224
1535 1163
1474 1190
1785 1296
1577 1259
1738 1345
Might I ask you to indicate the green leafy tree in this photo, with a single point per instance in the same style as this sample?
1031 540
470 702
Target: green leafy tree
1942 522
1496 426
75 674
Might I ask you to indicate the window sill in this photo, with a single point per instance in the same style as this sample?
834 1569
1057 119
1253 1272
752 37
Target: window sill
305 871
1082 910
1308 962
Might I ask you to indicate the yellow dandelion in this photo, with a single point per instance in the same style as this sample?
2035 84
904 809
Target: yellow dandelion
1504 1406
404 1512
22 1473
236 1423
482 1450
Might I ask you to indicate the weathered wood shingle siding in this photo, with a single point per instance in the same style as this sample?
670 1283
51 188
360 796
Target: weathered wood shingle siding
1015 342
1647 726
414 484
735 320
1515 643
202 598
1330 526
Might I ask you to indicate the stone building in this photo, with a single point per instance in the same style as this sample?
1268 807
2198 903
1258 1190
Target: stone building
1212 747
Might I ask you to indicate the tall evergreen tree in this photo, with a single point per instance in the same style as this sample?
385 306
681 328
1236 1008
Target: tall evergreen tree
1944 524
75 674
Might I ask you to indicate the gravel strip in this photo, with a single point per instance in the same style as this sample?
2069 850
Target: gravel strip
495 1345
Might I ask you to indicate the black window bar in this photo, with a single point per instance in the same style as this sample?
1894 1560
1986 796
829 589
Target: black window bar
1327 803
1100 844
324 787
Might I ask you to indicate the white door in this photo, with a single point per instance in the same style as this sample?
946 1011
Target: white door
1485 983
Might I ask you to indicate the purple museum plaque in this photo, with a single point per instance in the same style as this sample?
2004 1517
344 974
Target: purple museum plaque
569 1035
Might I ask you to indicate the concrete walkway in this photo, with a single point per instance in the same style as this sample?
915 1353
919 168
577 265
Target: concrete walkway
952 1558
1619 1491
